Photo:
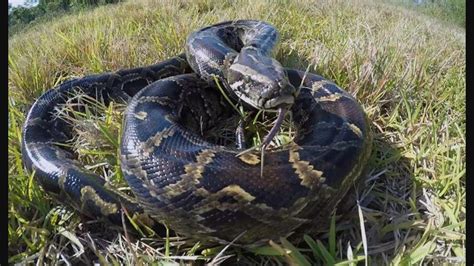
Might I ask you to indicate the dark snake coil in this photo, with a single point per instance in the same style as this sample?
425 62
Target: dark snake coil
199 188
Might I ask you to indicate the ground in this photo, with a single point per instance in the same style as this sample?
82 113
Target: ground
405 68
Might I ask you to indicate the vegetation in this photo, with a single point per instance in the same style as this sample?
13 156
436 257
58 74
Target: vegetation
451 11
39 11
407 69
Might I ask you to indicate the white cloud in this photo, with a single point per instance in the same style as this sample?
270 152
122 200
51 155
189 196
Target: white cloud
17 2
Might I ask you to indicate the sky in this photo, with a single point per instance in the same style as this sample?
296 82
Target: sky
16 2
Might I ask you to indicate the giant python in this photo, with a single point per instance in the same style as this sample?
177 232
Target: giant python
200 188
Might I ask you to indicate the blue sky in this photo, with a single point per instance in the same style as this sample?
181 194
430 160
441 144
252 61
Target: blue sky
16 2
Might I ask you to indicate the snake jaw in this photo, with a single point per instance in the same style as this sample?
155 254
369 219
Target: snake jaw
286 100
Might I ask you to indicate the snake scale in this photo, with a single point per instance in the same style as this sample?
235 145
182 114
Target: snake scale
197 187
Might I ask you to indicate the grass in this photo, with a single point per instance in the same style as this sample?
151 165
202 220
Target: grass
44 13
406 69
450 11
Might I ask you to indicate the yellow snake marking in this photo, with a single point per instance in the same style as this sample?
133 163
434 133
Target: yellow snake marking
318 85
62 181
193 173
132 166
264 207
153 193
162 100
156 140
140 115
62 169
305 171
355 129
238 193
89 193
211 200
330 98
202 192
250 158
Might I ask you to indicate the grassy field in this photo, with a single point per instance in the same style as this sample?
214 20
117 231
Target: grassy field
451 11
407 69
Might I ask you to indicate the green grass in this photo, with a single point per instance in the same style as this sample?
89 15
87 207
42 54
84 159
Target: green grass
21 18
407 70
450 11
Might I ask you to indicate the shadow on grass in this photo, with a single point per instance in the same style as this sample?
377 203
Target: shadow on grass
387 206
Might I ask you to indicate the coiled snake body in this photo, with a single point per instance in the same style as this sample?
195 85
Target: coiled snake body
199 188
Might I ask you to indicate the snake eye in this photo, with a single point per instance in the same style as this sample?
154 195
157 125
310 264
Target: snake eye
281 84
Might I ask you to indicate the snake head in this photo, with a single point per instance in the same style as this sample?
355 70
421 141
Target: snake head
260 81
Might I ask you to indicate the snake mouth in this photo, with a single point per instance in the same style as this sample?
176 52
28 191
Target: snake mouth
285 100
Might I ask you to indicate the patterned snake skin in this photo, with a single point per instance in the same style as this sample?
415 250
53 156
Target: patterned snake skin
199 188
